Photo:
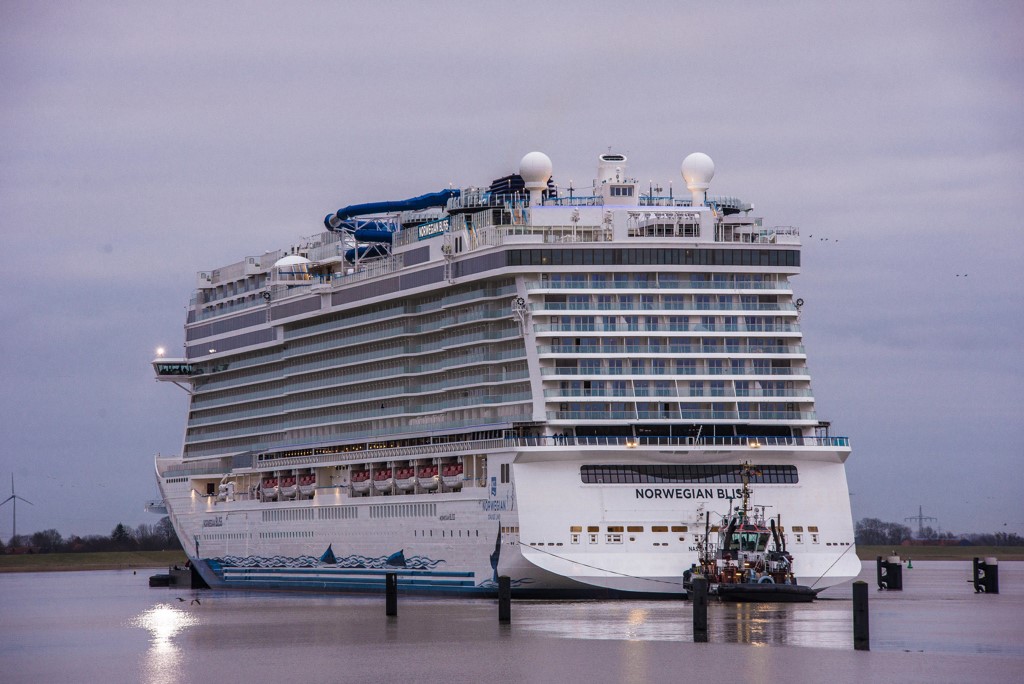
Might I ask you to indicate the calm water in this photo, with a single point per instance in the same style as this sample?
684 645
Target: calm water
111 627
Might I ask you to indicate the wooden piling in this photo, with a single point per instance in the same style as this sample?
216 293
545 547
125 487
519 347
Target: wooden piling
391 601
504 600
699 599
861 635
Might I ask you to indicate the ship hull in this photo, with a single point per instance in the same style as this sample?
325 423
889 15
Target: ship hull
553 535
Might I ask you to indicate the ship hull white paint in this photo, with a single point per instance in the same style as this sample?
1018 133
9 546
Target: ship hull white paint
537 511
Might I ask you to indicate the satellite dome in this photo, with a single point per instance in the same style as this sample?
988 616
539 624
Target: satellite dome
698 170
291 260
535 168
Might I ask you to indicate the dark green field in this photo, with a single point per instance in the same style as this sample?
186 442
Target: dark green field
112 560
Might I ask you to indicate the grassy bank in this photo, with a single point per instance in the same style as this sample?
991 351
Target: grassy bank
966 553
132 560
112 560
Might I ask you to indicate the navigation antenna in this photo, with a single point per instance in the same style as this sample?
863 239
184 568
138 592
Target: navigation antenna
448 251
14 497
920 518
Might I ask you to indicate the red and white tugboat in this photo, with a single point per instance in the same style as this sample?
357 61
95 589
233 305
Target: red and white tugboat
739 565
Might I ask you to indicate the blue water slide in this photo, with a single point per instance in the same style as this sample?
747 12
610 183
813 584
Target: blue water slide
340 219
365 252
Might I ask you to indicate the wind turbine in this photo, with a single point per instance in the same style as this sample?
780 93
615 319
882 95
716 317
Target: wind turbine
14 497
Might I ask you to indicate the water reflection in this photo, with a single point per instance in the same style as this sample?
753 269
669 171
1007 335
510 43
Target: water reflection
824 624
760 624
162 664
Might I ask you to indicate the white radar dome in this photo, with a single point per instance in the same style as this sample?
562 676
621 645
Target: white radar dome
291 260
698 170
535 168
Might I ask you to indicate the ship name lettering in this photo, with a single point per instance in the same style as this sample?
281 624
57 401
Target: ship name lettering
214 522
686 493
491 505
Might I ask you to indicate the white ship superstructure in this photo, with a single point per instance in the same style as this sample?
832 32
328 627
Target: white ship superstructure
523 379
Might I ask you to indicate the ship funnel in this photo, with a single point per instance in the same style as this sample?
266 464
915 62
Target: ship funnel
609 168
698 170
535 169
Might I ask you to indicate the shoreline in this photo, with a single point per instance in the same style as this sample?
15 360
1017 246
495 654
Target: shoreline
149 560
942 553
104 560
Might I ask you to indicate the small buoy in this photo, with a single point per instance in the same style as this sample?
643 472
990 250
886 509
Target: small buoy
910 564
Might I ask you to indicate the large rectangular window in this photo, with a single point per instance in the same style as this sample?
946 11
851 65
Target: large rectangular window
680 473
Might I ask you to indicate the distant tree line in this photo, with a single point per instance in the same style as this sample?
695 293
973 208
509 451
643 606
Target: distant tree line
875 532
158 537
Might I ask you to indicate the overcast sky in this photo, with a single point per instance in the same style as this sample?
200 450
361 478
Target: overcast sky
142 142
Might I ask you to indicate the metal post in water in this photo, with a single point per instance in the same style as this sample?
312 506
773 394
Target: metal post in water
391 587
699 599
986 576
504 599
895 573
861 637
890 573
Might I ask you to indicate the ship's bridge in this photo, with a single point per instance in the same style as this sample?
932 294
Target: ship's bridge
172 370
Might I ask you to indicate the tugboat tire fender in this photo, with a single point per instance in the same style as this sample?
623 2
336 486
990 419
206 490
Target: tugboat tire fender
767 579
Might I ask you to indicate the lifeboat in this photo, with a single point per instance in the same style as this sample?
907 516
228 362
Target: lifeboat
405 478
307 485
427 477
360 481
268 488
288 487
451 474
383 480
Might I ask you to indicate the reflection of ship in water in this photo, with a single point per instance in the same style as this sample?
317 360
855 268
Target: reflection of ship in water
739 565
824 624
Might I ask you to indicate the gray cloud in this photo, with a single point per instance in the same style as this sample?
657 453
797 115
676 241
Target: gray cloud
139 144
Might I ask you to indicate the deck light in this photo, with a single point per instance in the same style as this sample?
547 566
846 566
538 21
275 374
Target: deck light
754 444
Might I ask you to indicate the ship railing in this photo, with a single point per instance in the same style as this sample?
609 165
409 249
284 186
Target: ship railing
434 423
225 308
496 236
668 327
671 392
600 283
752 234
680 370
574 200
549 441
187 471
545 307
668 348
684 414
389 453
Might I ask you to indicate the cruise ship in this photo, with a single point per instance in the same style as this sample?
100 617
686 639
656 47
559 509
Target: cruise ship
561 385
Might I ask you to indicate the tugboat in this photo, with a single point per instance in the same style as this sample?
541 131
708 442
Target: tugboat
739 566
